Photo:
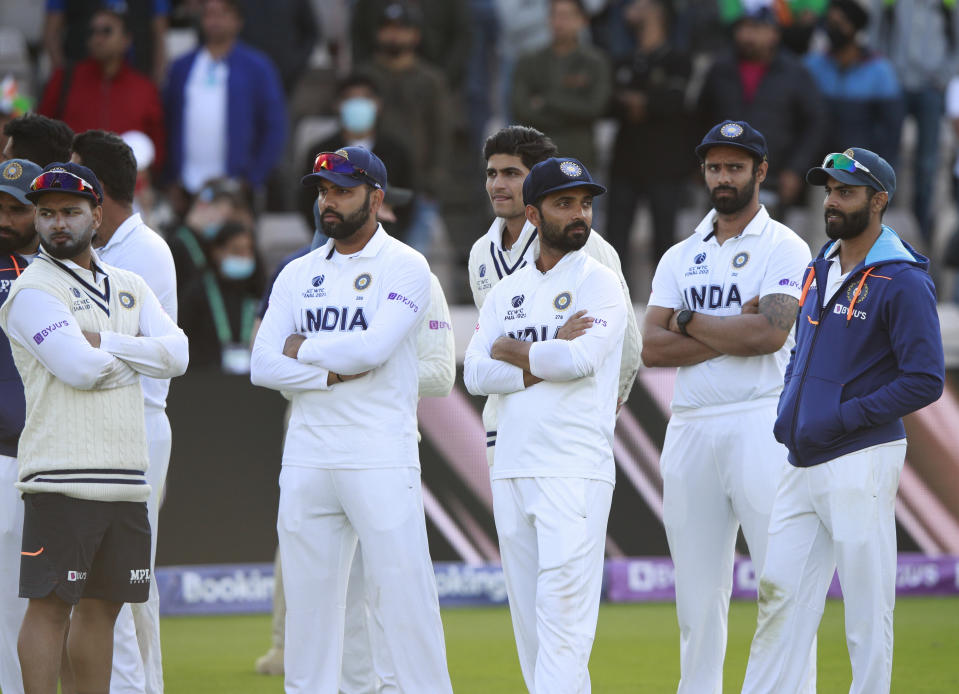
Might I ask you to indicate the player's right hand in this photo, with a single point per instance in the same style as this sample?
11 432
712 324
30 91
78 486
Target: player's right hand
577 325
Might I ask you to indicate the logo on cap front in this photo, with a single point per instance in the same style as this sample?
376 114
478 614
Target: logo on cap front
849 153
731 130
571 169
343 153
12 171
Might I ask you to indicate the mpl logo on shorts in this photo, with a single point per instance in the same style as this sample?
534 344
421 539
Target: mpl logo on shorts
139 575
74 576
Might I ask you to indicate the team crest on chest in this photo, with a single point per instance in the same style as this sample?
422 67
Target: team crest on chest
362 282
482 270
740 259
318 280
863 293
731 130
126 300
562 301
700 258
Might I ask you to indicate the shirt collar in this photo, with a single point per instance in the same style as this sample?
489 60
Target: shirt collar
96 267
495 234
124 230
706 228
370 250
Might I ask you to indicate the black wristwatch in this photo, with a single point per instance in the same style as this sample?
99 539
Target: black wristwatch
682 320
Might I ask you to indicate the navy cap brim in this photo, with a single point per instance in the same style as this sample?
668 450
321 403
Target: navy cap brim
594 188
705 147
819 176
34 195
342 180
17 193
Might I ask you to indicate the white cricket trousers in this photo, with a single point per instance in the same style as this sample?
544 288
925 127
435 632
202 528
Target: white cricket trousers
552 539
322 514
721 467
137 661
12 607
840 514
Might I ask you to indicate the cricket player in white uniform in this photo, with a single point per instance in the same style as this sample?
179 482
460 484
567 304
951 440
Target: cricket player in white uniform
722 309
512 243
553 472
340 336
124 241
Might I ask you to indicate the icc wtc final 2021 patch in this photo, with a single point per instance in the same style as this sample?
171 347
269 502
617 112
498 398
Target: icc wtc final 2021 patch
563 301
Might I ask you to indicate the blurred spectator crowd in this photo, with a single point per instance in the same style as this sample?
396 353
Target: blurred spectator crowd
225 104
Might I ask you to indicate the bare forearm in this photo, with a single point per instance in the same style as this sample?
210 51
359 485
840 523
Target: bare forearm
662 347
744 335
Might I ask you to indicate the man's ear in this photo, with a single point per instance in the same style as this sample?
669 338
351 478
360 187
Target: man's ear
532 215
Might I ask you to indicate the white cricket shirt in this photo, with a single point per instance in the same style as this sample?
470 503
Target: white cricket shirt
136 247
698 273
563 426
358 313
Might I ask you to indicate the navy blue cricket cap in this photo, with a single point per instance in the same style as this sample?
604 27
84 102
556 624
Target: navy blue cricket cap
734 133
855 167
348 167
557 173
69 178
16 175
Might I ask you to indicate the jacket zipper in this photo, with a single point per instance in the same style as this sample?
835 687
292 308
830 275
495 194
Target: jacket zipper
812 346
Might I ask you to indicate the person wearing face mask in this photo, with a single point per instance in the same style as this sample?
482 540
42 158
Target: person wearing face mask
219 308
218 201
863 95
358 106
764 84
415 110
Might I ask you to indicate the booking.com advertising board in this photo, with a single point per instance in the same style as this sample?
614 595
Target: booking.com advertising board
248 588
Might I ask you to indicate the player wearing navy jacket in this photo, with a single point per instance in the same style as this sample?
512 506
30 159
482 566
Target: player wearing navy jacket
868 351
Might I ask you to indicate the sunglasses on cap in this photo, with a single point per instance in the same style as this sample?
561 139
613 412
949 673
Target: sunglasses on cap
337 163
844 162
63 180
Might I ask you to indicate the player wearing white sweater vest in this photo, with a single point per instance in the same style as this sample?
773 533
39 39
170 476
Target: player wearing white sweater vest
512 243
82 333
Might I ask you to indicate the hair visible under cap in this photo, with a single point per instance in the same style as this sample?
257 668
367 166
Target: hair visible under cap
111 159
39 139
529 144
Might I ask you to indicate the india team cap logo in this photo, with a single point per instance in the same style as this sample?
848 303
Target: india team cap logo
12 171
863 293
126 300
571 169
562 301
731 130
362 282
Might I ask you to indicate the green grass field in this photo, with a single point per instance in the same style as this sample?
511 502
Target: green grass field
636 650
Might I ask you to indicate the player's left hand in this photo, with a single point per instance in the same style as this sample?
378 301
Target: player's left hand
92 338
291 347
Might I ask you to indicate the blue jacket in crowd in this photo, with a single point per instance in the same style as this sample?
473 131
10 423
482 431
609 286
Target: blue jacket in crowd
862 359
256 114
12 404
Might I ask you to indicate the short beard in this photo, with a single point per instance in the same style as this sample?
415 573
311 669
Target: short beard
347 226
741 198
850 226
562 240
14 242
69 250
